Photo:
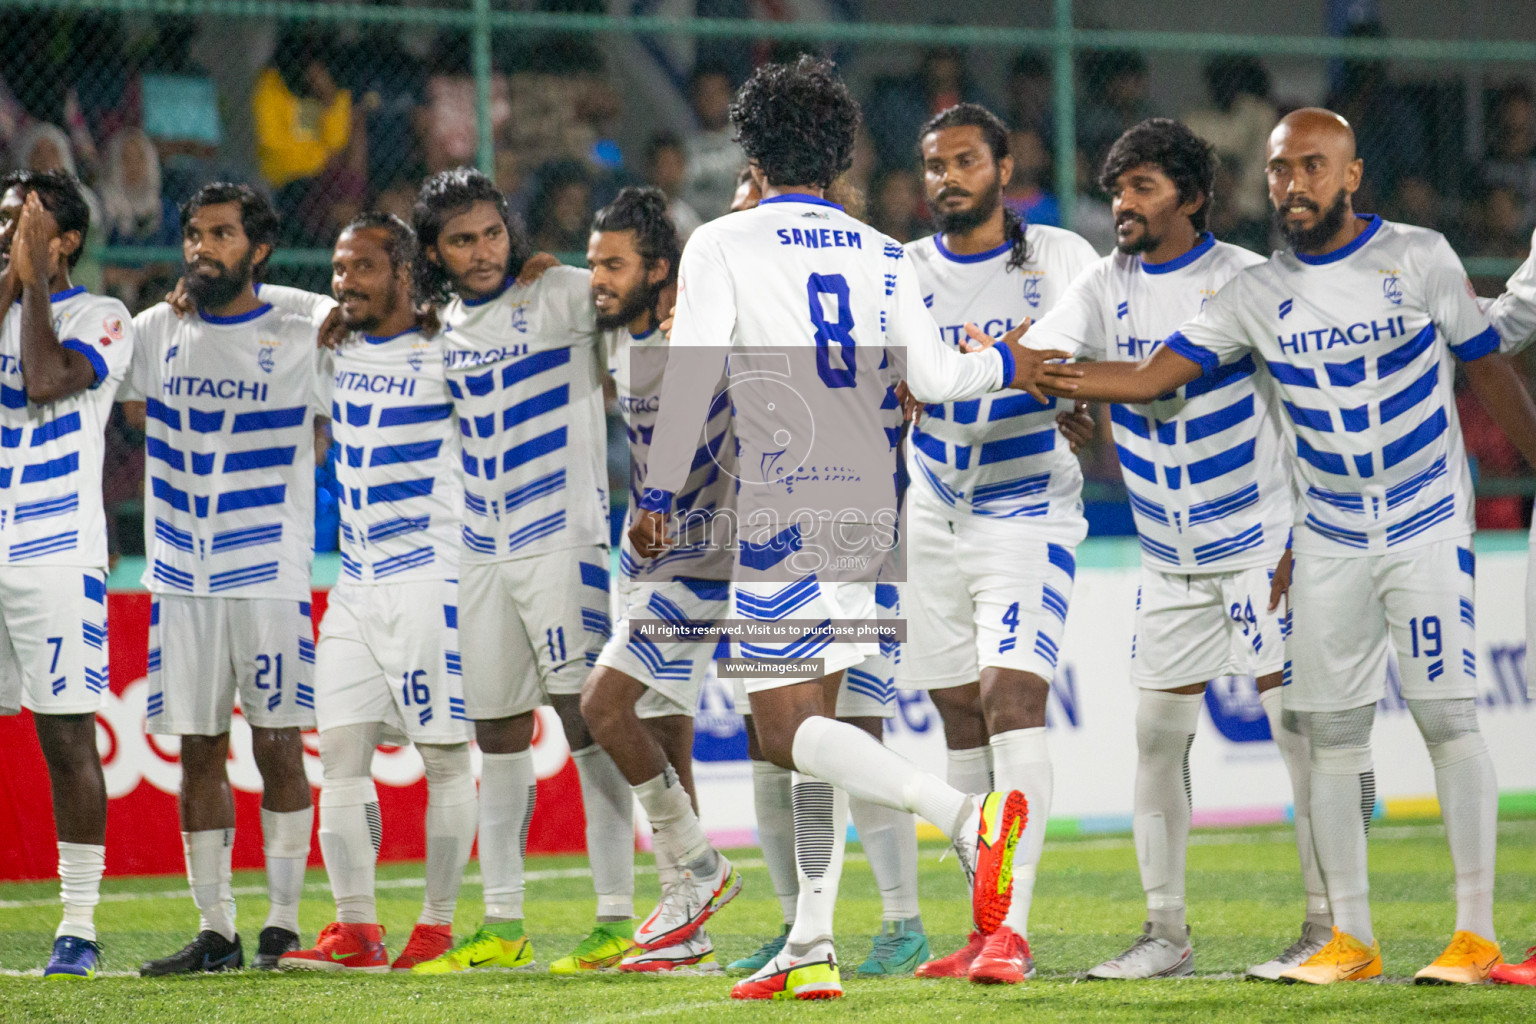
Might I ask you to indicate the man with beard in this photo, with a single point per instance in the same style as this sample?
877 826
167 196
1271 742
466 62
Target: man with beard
994 511
235 397
640 698
798 284
1354 321
1213 509
523 371
387 664
63 353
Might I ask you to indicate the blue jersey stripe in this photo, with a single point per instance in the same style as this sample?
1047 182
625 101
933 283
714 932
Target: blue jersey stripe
1215 551
1352 538
205 422
538 405
155 448
1136 464
405 415
172 496
532 449
1148 508
1291 375
55 429
1402 492
1035 443
1415 440
1016 405
1410 396
258 458
252 497
46 508
394 454
269 419
400 490
1390 362
37 472
1346 375
157 410
247 537
1328 462
1222 463
396 527
1338 499
1314 419
1132 421
1199 427
1228 373
1423 520
533 365
1227 505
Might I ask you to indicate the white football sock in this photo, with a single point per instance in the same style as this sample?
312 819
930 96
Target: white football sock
285 844
889 838
1165 730
1296 754
208 873
610 810
350 833
81 866
1469 804
854 761
451 815
1343 796
507 790
774 809
970 770
673 823
821 836
1022 761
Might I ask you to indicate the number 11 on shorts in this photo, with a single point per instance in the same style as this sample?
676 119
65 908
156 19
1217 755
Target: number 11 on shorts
554 639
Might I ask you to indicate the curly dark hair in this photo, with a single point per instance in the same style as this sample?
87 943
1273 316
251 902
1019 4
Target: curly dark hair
797 122
257 216
61 195
444 196
995 134
1178 152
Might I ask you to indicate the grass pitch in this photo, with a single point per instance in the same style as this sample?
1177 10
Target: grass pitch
1244 896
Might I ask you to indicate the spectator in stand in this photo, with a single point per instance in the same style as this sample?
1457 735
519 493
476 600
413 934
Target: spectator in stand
666 167
1511 159
897 104
1027 193
1389 129
1416 202
713 155
560 215
310 155
134 212
1502 231
1032 97
1237 125
452 136
181 111
1115 84
391 88
896 204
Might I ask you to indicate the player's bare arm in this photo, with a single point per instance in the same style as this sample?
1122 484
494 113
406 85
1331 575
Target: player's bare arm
1497 385
51 371
1280 583
1038 373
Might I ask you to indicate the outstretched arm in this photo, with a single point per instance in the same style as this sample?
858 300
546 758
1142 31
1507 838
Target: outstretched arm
1155 376
1498 386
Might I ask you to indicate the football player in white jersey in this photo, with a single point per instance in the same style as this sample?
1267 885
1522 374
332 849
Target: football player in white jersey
1213 510
525 375
1355 321
235 397
387 663
744 288
640 698
63 353
994 510
1514 316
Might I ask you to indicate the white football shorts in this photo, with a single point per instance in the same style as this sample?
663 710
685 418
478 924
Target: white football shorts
205 651
389 653
1194 628
980 593
53 639
671 670
1347 611
531 627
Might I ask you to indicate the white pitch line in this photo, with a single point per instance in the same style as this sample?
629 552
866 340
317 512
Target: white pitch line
1506 828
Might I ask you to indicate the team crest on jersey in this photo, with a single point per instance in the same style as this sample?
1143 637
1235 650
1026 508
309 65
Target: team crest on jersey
1032 280
418 349
112 328
520 318
1206 295
1392 287
266 354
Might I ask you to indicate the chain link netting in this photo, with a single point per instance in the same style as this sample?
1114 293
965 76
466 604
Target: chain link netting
335 116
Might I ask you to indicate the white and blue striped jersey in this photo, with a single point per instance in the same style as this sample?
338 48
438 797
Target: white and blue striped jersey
798 274
229 486
397 459
524 371
1204 466
1357 342
1000 455
637 364
1514 312
50 455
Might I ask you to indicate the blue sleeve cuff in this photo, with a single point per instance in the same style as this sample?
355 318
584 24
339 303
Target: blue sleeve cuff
656 500
1194 353
1288 534
1477 346
1009 367
89 351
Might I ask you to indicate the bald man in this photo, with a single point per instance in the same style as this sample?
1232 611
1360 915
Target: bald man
1354 320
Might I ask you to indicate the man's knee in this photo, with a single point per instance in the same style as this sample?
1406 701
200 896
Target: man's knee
607 699
1012 699
568 707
